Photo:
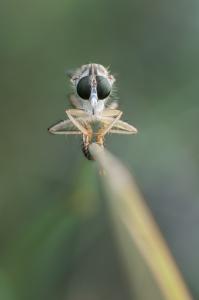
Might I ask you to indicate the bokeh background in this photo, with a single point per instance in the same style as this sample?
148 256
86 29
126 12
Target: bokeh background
56 238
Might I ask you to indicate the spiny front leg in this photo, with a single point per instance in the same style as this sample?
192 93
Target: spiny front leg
104 130
78 113
111 112
65 127
122 127
119 126
86 130
100 140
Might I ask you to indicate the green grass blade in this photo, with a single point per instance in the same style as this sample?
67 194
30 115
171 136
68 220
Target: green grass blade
133 215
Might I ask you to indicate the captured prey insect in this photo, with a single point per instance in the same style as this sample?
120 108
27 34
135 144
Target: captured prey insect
94 114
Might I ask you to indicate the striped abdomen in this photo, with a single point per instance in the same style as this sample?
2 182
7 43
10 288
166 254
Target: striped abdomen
85 150
87 140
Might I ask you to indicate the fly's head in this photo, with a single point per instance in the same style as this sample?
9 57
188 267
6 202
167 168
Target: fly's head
93 85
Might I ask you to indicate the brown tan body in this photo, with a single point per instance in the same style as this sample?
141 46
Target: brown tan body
80 122
93 104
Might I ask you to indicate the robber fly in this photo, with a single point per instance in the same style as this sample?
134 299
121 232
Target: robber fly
95 113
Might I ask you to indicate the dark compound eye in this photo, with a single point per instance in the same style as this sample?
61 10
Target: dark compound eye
84 88
103 87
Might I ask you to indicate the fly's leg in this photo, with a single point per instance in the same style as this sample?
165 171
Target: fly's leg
105 129
64 127
65 132
122 127
78 113
100 140
119 126
111 113
119 131
87 132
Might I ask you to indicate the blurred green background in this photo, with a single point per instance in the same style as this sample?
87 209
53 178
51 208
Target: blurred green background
56 238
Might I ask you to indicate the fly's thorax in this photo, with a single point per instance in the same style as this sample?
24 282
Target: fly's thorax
96 125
